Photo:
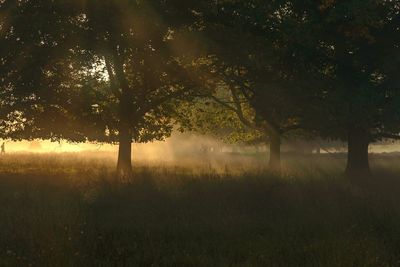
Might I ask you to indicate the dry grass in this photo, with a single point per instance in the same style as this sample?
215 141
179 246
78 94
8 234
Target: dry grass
69 210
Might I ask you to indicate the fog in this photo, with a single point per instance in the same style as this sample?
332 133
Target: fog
188 148
179 147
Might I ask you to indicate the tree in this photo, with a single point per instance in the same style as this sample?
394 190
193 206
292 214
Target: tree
350 49
114 74
325 66
249 54
135 40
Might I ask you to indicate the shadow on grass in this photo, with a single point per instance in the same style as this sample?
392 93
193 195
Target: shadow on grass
162 219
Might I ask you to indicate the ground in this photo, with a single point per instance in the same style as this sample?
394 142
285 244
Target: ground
69 210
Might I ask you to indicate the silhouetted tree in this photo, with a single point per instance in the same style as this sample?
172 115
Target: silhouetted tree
249 54
94 70
350 50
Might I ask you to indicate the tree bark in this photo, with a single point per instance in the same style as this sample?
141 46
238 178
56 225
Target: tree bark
357 155
275 152
124 165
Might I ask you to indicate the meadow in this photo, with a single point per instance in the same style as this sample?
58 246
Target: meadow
70 210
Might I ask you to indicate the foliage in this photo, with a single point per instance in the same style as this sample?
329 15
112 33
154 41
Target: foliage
350 49
86 61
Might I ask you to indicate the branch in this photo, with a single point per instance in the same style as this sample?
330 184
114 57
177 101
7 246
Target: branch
153 104
120 73
113 84
222 103
239 111
233 81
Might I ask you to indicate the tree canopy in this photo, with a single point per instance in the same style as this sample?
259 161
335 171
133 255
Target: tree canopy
128 71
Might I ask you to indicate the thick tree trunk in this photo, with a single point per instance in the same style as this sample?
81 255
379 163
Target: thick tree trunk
124 165
357 155
275 152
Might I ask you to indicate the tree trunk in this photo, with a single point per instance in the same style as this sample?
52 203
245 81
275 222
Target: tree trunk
124 165
275 152
357 155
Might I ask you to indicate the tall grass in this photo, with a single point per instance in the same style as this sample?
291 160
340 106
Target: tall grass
69 210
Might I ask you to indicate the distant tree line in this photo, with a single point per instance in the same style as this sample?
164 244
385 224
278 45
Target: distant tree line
124 71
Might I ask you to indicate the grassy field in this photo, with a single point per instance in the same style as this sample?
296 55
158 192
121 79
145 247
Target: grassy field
69 210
